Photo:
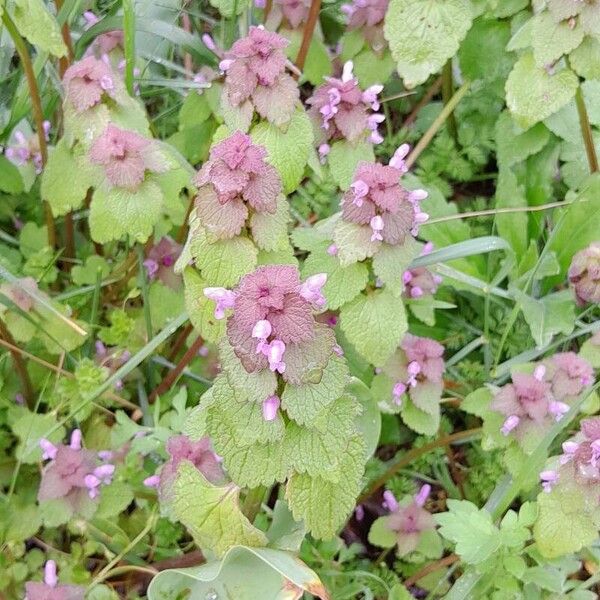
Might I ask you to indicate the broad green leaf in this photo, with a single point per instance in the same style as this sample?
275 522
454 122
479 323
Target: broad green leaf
324 504
29 428
34 21
514 145
568 520
270 231
200 309
87 274
11 181
243 574
548 316
372 68
236 117
212 513
381 533
552 40
471 529
114 499
287 150
390 262
117 212
424 34
318 63
222 263
374 324
343 283
368 422
421 421
303 403
532 94
590 351
585 60
165 303
353 242
285 533
194 111
62 192
343 159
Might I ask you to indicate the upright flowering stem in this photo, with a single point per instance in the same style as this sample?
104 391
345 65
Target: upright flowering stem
586 131
38 113
307 34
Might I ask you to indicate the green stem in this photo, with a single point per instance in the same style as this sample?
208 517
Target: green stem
436 125
147 315
253 501
447 92
36 105
586 131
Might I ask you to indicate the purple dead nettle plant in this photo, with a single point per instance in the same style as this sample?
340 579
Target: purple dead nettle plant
161 260
73 474
584 275
256 78
340 110
50 589
368 15
289 13
420 281
88 82
105 43
235 183
26 149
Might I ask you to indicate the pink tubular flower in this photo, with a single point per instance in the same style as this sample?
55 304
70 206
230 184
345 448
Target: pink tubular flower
421 281
549 479
87 81
125 156
389 501
255 72
528 404
161 260
584 274
223 298
50 589
23 150
270 406
233 182
310 290
377 199
343 111
153 481
273 317
72 473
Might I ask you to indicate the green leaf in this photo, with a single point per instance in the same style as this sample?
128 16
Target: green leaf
62 192
568 520
390 262
114 499
512 226
381 533
87 274
552 40
270 231
324 504
471 529
419 420
374 324
29 429
164 302
548 316
222 263
212 513
372 68
228 8
117 212
590 351
532 94
35 23
303 403
243 574
287 150
343 159
200 309
514 145
343 283
585 60
368 422
424 34
318 63
353 242
11 181
284 532
194 111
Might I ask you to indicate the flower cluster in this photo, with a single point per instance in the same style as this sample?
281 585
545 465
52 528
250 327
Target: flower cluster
410 521
50 589
378 202
179 448
87 82
254 70
368 15
420 281
161 260
235 179
273 326
27 149
343 111
418 363
105 42
532 402
294 12
584 274
73 473
125 156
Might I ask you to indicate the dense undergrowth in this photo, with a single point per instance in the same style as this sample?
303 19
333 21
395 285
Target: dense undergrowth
299 299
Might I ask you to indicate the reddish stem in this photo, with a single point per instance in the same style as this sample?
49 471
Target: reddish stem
307 34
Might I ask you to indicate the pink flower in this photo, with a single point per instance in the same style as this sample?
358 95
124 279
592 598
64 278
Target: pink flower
295 12
568 374
365 13
161 261
153 481
378 200
72 473
24 150
273 316
87 82
584 274
310 290
270 407
223 298
234 181
17 292
51 589
105 42
549 479
389 501
344 111
255 71
420 282
125 156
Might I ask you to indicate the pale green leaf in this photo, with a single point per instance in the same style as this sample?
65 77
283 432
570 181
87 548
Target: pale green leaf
425 423
114 499
34 21
552 40
372 68
353 242
270 231
29 429
585 60
514 145
11 181
381 533
390 262
318 63
200 309
343 159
